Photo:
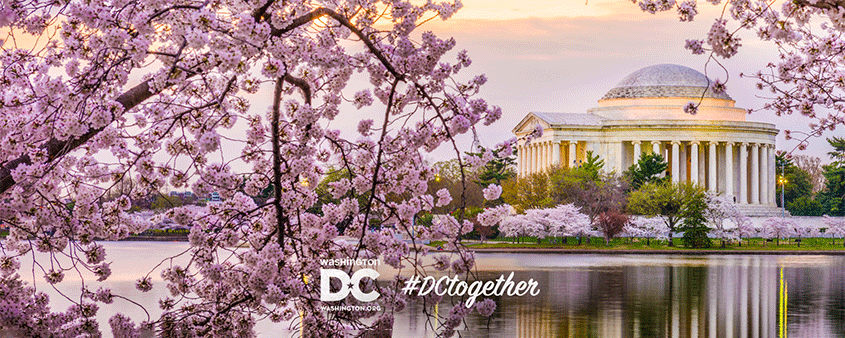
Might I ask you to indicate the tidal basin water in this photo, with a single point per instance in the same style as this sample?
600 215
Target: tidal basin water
581 295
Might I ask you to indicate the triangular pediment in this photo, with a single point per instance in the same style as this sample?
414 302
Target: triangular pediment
528 122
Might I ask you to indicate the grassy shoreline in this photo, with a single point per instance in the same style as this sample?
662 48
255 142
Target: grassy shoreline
635 246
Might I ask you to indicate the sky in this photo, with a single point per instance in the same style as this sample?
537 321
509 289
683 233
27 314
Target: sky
563 56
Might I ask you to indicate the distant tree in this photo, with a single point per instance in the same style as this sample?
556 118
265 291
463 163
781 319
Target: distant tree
835 227
500 168
673 202
164 202
599 196
777 228
593 166
716 214
838 152
648 228
694 225
489 221
813 166
745 228
516 226
611 223
479 231
542 224
805 206
803 231
798 182
531 191
649 168
328 188
563 220
463 193
832 197
588 187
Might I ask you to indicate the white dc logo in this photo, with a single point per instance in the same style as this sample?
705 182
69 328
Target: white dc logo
327 295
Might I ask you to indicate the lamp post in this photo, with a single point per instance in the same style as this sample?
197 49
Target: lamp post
782 181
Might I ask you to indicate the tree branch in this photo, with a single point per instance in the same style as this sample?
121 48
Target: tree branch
277 163
821 4
56 148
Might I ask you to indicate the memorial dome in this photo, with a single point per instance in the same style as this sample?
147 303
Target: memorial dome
664 81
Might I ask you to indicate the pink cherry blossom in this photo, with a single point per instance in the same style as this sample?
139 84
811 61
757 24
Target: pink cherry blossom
127 98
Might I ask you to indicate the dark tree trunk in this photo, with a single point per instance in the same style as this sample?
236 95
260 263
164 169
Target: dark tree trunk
671 236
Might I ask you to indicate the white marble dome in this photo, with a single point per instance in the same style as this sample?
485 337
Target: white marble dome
664 80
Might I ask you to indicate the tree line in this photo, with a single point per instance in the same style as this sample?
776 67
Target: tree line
629 203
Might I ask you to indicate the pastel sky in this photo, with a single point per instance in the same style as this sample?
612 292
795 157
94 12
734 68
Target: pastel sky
562 56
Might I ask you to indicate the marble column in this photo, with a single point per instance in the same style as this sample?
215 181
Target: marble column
729 170
764 174
712 183
520 160
556 153
772 175
620 150
655 148
702 166
525 156
637 151
743 173
755 174
684 154
573 147
533 158
544 155
539 156
693 171
676 162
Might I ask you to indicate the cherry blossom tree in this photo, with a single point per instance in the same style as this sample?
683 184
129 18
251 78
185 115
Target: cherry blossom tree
648 228
516 226
541 225
777 228
835 226
745 228
719 211
582 228
569 221
95 91
491 217
803 231
563 220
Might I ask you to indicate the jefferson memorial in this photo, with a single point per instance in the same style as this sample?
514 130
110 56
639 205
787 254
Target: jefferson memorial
715 147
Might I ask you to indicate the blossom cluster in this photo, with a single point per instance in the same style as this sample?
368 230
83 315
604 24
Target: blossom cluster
185 121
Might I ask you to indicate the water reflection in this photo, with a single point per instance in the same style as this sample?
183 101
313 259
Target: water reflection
662 296
581 295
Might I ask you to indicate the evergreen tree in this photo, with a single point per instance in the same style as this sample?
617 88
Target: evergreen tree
832 197
650 168
798 184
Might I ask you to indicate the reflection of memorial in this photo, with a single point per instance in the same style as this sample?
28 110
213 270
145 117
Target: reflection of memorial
668 296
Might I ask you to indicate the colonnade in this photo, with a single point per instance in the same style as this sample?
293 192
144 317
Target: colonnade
540 155
744 171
